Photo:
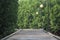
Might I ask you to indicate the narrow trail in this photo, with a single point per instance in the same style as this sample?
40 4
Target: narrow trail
32 34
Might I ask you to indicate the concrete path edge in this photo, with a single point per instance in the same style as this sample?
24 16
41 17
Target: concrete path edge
11 34
57 37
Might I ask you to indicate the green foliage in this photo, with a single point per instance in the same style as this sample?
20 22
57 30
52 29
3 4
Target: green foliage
28 14
47 17
8 16
27 17
55 16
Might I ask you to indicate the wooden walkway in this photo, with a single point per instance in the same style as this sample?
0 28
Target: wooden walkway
32 34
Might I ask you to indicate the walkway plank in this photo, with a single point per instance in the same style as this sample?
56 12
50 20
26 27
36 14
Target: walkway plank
32 34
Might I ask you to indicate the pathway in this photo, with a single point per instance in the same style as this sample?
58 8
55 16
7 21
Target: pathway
32 34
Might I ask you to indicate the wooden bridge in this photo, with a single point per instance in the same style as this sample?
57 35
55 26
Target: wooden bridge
32 34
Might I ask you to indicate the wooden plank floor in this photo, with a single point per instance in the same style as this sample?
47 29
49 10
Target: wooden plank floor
32 34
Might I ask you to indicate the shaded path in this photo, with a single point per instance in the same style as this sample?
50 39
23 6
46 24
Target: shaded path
32 34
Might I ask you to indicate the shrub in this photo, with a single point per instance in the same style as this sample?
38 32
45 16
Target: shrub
55 16
8 16
47 17
27 17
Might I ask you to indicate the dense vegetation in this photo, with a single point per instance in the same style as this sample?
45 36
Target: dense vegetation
27 17
29 14
47 17
8 16
55 16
